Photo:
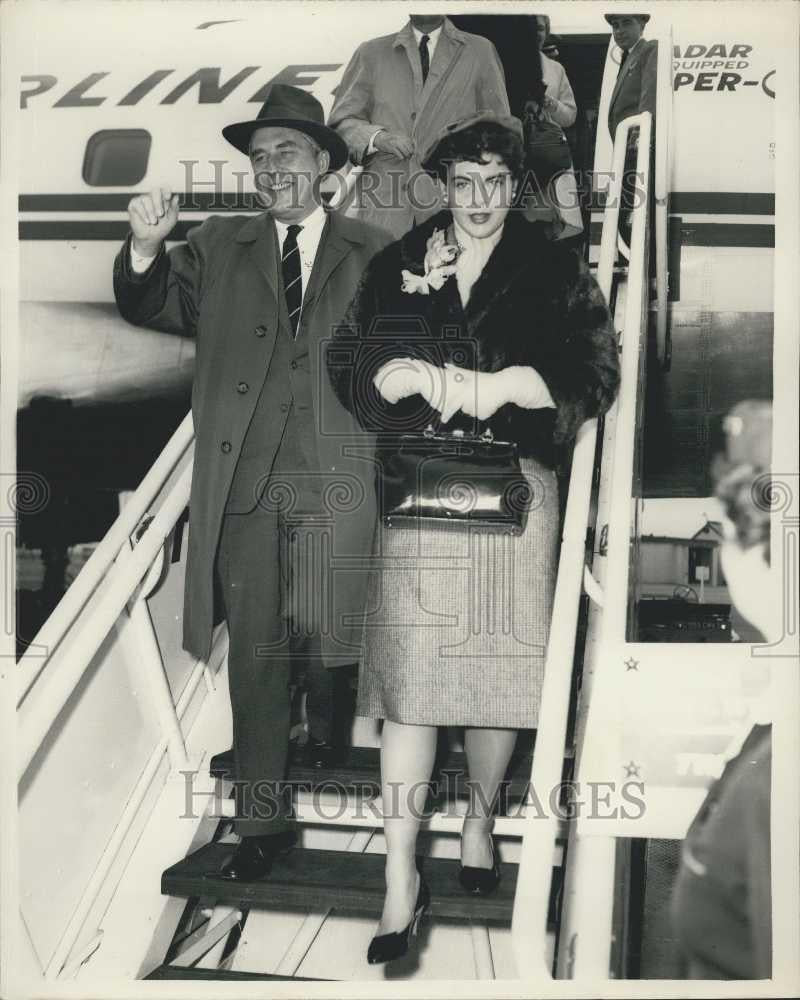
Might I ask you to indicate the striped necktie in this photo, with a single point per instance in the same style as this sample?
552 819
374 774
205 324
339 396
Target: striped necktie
292 279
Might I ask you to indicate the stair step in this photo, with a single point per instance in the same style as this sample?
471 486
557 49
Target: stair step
179 972
340 880
360 773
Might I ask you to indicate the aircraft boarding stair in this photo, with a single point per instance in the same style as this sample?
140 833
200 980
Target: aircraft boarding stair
112 646
342 881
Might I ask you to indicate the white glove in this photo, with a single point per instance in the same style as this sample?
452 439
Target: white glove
481 394
478 394
403 377
526 387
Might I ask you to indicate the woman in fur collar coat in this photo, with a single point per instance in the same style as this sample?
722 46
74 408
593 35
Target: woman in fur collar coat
472 320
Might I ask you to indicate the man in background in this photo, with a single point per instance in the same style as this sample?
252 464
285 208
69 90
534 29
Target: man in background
635 89
634 92
398 92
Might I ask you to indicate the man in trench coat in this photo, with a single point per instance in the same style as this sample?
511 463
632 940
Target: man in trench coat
281 514
397 94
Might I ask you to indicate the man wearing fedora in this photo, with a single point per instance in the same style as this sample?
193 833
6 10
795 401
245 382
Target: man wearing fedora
277 500
634 92
635 87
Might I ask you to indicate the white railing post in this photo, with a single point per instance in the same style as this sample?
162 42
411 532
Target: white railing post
529 921
67 665
96 567
585 946
620 506
138 631
662 185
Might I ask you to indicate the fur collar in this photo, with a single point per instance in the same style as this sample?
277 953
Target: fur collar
523 249
518 238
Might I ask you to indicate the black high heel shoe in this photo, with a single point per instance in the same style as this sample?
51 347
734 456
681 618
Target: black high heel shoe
388 947
481 881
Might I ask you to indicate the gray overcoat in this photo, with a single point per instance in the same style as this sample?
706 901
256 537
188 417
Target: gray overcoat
382 88
222 286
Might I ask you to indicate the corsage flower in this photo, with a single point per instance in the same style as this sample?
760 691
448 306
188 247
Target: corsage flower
439 264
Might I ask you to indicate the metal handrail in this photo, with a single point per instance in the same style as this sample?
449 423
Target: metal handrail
87 612
587 921
662 183
65 945
73 656
619 517
529 918
50 635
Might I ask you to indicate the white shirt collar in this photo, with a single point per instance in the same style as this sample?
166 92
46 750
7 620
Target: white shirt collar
312 225
308 241
433 38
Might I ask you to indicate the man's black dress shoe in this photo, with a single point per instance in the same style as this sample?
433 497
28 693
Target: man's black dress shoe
320 753
253 857
388 947
481 881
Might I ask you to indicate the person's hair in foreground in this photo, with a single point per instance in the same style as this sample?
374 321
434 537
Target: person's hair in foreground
475 144
721 902
742 475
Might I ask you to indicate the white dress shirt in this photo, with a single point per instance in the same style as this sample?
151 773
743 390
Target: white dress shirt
307 243
433 38
139 262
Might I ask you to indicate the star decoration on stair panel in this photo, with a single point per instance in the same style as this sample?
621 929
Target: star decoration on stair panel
632 770
631 664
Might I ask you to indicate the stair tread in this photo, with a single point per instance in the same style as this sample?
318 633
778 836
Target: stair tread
360 772
340 879
183 972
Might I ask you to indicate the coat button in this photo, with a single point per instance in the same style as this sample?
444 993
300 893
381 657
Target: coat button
293 364
242 387
226 446
284 407
260 331
413 115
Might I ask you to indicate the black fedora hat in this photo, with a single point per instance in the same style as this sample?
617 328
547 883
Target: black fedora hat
290 107
611 18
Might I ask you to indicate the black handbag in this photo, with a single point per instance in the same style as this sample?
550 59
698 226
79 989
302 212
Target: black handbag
547 152
457 478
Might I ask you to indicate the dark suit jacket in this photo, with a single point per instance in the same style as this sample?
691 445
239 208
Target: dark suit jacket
635 89
223 287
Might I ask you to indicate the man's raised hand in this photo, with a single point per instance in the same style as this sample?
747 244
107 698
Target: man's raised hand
152 217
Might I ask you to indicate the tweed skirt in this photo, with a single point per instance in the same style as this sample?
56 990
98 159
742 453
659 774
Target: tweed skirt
457 619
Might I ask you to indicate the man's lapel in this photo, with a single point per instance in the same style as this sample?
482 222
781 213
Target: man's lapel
405 39
259 232
447 52
333 248
623 73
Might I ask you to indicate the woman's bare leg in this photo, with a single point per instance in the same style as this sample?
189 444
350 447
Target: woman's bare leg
488 753
407 756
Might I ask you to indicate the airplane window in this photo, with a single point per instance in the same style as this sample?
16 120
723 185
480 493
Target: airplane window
116 157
